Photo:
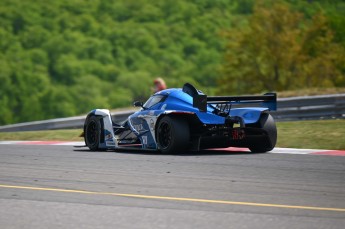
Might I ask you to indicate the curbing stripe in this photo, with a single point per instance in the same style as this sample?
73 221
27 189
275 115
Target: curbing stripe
230 149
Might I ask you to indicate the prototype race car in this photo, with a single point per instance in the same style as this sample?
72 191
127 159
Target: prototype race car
181 119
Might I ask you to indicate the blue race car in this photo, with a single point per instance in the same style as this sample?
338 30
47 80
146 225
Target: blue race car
181 119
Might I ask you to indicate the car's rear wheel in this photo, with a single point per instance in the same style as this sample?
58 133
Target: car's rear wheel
172 134
92 133
268 125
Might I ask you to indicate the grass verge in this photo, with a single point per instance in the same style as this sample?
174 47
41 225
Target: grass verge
46 135
320 134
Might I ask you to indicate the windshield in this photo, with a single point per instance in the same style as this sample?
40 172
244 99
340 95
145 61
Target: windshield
154 100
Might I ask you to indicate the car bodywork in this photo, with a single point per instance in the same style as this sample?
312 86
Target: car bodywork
181 119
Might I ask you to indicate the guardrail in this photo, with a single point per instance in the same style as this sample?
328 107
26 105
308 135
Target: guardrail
289 109
61 123
310 108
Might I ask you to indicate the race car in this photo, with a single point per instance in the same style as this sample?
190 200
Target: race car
185 119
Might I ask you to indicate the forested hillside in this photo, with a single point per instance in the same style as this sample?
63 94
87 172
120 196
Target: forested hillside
66 57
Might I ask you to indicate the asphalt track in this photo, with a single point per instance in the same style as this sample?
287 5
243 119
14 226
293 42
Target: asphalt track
63 187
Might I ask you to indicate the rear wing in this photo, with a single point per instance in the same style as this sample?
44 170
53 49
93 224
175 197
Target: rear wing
268 100
200 100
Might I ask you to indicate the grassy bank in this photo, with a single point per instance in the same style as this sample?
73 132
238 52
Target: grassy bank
321 134
48 135
325 134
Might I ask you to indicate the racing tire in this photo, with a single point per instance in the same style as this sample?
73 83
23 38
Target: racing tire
172 134
268 125
92 133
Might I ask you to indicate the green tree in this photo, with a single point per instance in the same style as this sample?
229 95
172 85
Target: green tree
66 57
5 91
280 50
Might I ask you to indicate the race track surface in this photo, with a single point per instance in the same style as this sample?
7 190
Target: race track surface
65 187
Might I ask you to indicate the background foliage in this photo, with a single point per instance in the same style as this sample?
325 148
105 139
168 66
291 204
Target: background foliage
66 57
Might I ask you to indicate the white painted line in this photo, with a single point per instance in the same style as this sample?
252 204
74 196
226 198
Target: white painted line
70 144
295 151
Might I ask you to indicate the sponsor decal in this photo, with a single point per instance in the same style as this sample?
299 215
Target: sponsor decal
110 143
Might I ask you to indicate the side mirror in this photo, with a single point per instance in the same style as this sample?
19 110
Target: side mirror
138 104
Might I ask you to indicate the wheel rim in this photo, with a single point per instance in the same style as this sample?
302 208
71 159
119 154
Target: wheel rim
91 133
164 135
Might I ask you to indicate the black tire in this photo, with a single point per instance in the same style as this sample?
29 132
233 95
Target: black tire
92 133
268 125
172 134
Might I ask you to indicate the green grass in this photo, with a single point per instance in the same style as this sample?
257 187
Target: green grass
325 134
321 134
47 135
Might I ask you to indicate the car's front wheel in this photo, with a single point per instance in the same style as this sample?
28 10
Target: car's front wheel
92 133
172 134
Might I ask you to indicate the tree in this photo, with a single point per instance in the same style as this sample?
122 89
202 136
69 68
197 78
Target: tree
66 57
279 50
